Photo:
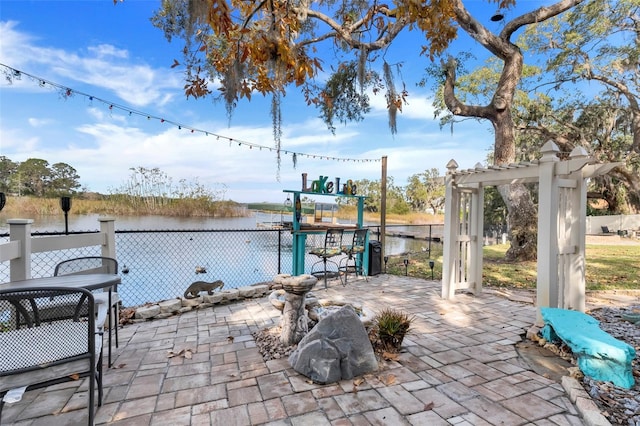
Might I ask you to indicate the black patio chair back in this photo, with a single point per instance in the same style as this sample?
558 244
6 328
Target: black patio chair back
87 265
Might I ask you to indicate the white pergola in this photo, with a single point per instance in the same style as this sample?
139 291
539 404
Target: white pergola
561 223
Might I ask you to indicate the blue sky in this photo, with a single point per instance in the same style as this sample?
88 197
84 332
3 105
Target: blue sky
114 53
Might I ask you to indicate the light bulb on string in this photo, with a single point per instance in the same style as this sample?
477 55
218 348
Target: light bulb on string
67 92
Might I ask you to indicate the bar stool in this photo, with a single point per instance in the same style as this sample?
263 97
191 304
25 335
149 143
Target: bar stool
354 253
332 247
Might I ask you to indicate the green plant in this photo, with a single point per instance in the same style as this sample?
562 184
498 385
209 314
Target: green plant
389 328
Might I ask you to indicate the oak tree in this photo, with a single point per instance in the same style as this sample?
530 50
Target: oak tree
266 46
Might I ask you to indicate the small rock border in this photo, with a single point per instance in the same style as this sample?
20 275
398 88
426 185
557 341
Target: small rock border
179 305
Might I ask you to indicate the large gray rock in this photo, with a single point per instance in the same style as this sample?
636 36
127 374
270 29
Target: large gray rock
337 348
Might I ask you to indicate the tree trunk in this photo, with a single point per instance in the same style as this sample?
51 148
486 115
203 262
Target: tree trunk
522 215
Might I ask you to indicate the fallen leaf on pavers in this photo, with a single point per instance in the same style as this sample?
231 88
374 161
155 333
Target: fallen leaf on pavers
390 356
309 381
389 379
186 353
230 339
115 367
358 381
429 406
171 354
74 376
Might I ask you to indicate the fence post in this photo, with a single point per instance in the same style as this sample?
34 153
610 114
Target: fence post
107 227
20 230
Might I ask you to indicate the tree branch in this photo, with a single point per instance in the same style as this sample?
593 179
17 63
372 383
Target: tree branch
453 103
345 32
535 16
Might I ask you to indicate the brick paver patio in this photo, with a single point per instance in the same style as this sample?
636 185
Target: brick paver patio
459 367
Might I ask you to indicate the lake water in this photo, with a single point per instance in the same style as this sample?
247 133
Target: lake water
162 264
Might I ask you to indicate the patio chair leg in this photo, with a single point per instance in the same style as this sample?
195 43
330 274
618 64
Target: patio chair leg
109 364
99 380
116 321
325 273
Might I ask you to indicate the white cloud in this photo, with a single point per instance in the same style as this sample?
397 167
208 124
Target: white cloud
103 66
39 122
418 107
107 50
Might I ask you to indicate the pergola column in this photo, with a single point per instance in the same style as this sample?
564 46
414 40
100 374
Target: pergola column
547 284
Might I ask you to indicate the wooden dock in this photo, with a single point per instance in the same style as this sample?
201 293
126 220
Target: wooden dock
413 235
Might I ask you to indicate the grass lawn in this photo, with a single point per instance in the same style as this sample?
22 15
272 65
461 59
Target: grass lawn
609 267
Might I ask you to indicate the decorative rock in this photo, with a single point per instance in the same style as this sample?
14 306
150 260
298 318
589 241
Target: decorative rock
337 348
192 302
180 305
276 298
279 279
229 295
213 298
147 312
326 307
261 290
311 301
170 306
600 355
246 292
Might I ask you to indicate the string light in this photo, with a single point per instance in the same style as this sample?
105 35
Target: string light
13 73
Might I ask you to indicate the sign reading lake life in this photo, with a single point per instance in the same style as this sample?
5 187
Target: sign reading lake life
323 185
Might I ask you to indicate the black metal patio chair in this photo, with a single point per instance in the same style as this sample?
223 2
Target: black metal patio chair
42 352
97 265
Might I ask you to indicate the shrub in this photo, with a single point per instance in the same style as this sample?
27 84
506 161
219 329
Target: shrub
389 328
